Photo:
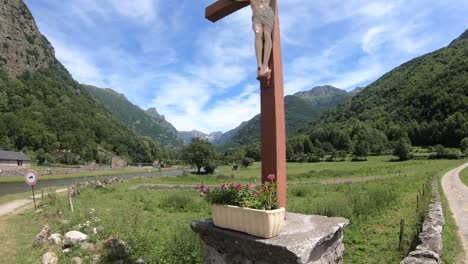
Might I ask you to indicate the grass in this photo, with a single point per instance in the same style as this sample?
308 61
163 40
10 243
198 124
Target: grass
464 176
155 221
97 173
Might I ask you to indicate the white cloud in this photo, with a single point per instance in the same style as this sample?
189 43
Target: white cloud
78 63
202 75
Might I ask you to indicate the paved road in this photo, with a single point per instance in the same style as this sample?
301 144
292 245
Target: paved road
457 195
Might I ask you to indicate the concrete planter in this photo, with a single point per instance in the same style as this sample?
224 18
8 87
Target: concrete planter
260 223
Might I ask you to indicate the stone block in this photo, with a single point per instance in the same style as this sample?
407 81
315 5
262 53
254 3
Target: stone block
303 239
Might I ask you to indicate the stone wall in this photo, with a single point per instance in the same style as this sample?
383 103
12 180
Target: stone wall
430 249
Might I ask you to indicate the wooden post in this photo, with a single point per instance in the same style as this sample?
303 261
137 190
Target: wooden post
34 197
402 231
70 202
273 127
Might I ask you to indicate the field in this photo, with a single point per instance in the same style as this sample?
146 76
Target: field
154 220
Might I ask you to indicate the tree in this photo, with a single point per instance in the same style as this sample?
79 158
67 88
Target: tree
464 146
361 150
235 157
247 162
403 149
200 153
308 146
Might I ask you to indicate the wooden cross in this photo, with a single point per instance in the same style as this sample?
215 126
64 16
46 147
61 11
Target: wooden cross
273 127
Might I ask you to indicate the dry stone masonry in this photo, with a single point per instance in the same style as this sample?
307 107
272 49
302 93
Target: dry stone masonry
430 249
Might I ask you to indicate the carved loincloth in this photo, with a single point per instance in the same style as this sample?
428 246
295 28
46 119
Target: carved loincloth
264 16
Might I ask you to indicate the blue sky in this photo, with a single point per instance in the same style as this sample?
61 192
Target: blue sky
200 75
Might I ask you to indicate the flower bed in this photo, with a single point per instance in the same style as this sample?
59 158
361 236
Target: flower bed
252 209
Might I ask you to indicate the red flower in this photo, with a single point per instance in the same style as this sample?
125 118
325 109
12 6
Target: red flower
271 177
255 194
239 187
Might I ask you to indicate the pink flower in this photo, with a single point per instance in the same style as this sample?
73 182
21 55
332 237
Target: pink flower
271 177
252 187
202 194
198 187
255 194
239 187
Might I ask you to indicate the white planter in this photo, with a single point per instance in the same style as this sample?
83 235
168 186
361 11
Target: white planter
260 223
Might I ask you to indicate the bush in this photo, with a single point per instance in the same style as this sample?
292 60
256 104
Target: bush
177 202
403 150
464 146
300 191
247 162
444 153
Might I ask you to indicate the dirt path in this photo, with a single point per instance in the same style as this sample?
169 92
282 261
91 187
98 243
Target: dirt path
13 206
457 196
10 207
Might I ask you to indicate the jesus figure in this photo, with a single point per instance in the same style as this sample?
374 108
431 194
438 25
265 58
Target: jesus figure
263 19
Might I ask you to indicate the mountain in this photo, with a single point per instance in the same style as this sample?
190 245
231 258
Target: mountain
229 135
301 109
46 113
426 97
161 120
22 48
148 123
186 136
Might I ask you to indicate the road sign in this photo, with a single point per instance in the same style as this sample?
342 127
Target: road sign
31 178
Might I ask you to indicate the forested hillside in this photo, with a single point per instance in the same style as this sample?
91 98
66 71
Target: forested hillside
422 102
47 114
135 118
301 109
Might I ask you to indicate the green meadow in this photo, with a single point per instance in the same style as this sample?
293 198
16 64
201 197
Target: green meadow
154 221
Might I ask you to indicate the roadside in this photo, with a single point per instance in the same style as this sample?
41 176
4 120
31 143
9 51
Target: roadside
17 205
457 196
464 176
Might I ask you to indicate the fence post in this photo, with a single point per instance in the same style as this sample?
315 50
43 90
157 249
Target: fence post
402 229
70 202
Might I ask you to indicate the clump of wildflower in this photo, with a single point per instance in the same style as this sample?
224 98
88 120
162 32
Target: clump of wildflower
254 196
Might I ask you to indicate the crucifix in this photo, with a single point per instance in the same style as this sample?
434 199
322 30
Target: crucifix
265 20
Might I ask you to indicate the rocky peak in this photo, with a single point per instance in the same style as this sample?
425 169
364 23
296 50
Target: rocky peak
154 113
22 47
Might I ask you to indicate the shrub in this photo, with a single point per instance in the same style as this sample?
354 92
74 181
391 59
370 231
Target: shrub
464 146
300 191
177 202
403 150
445 153
247 162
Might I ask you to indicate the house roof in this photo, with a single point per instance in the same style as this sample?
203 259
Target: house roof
11 155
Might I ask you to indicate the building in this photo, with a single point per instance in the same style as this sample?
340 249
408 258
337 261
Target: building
11 159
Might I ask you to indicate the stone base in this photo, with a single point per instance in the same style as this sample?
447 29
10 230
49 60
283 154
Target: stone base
303 239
